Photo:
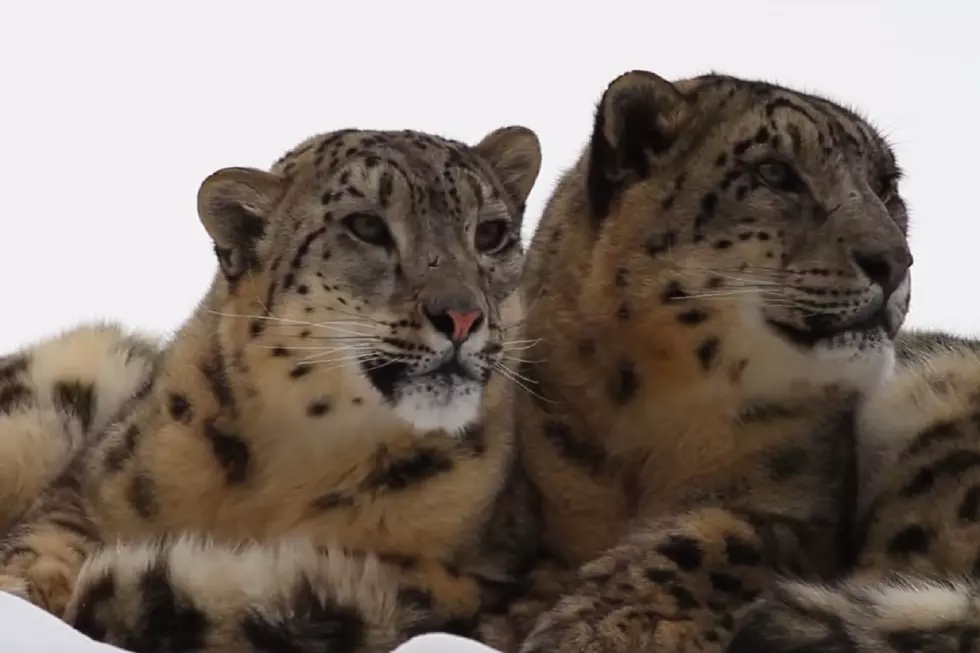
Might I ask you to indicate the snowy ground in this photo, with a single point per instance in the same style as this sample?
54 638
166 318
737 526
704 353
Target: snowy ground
27 629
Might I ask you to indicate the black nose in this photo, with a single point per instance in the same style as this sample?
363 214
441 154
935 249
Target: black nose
455 325
885 267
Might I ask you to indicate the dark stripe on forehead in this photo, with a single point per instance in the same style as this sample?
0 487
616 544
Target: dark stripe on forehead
869 139
423 153
717 89
802 113
475 188
410 178
841 124
438 172
333 138
420 150
377 151
304 247
828 125
835 124
438 180
787 104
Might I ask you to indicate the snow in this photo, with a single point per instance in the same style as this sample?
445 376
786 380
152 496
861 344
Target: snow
27 629
149 98
443 643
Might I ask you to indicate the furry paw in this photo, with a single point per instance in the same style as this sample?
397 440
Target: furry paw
621 629
44 582
14 585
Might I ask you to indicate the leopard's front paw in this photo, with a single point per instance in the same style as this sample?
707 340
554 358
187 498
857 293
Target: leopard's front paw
44 582
570 626
596 627
14 585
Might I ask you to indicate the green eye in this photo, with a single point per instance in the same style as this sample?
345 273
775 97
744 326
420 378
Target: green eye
779 176
370 228
490 235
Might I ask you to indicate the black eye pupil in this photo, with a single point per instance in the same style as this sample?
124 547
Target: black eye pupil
780 176
370 228
886 189
490 234
776 172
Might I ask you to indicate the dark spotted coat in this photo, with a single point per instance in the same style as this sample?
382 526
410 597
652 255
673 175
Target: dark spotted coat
304 473
56 395
712 287
917 555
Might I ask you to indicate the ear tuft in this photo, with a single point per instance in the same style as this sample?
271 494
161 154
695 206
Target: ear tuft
514 153
638 118
234 205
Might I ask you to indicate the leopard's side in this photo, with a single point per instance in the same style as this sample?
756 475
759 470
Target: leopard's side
56 395
713 286
327 435
913 587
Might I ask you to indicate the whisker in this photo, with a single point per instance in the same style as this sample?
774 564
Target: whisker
515 325
509 375
311 336
361 316
315 359
331 328
385 360
743 268
758 270
525 342
290 321
741 279
342 366
523 360
527 312
719 294
258 300
310 347
319 355
522 377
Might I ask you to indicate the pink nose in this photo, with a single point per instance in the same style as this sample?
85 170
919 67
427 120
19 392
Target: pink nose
455 325
463 323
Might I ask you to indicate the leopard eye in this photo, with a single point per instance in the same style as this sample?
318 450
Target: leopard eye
490 235
370 228
887 188
779 176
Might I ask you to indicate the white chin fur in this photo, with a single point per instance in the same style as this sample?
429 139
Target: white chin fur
443 409
849 361
865 367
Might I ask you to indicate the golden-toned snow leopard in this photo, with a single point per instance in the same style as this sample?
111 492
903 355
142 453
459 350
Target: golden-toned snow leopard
326 436
713 286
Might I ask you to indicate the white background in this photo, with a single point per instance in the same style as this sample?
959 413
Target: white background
111 114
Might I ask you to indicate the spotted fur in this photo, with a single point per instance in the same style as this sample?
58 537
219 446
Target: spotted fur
713 286
913 587
56 395
328 434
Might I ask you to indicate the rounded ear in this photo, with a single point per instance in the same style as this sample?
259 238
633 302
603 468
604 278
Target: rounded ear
514 153
638 118
234 205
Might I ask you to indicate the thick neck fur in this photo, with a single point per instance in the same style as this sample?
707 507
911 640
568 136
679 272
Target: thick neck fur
262 399
235 443
641 412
